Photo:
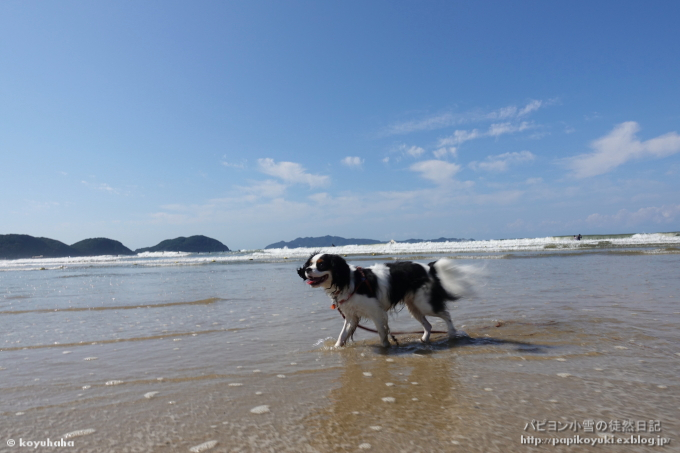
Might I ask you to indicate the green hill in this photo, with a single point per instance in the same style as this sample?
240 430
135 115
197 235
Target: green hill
101 246
193 244
17 246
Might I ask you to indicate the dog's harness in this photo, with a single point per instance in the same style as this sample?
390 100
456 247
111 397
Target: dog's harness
363 280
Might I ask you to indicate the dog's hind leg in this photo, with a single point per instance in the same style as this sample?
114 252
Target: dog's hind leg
420 317
427 328
381 325
444 314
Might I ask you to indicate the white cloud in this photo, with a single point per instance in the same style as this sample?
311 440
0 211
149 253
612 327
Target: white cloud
495 130
659 215
459 137
321 198
499 129
241 164
445 120
507 128
530 107
291 172
404 150
503 113
444 152
426 124
264 189
415 151
352 161
619 147
438 171
501 162
102 186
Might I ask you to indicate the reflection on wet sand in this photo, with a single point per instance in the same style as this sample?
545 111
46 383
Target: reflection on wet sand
407 398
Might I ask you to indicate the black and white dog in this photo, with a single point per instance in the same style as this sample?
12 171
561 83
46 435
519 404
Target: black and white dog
370 292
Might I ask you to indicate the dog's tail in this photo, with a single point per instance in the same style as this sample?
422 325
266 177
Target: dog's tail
457 280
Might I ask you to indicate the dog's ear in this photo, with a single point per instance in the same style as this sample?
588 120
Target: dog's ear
301 271
339 272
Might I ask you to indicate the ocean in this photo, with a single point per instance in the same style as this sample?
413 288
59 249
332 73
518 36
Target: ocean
568 342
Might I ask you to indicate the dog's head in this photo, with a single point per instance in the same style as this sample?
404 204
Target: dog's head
326 271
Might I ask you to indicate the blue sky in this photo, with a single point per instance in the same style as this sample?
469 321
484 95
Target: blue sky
254 122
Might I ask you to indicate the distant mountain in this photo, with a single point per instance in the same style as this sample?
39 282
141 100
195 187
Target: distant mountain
17 246
325 241
193 244
101 246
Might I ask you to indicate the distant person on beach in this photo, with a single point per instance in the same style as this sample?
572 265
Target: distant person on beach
578 238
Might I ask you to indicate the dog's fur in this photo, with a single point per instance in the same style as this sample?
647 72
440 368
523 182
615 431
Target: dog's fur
371 292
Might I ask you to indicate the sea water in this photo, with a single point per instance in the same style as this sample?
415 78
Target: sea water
233 352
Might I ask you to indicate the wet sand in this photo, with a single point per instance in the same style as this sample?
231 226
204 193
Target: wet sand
166 359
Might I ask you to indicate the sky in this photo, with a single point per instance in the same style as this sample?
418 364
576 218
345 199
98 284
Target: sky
256 121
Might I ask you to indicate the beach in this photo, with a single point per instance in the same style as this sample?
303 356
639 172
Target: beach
232 352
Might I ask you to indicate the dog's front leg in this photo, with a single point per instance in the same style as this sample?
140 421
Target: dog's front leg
347 329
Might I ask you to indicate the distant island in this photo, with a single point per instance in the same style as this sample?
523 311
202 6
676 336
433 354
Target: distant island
331 241
192 244
100 246
17 246
21 246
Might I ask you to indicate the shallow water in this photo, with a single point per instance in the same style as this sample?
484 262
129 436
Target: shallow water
556 336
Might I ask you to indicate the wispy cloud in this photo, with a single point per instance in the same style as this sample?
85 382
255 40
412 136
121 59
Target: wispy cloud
459 137
291 172
102 186
353 161
530 107
402 151
507 128
425 124
495 130
445 120
502 162
263 189
241 164
445 152
659 215
620 146
438 171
